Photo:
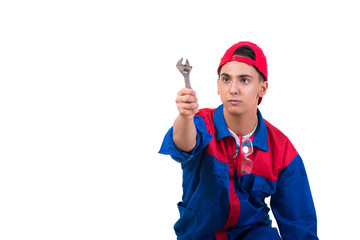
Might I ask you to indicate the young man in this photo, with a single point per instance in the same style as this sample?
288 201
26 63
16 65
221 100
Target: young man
232 159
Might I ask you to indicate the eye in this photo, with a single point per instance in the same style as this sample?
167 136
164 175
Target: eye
244 80
225 79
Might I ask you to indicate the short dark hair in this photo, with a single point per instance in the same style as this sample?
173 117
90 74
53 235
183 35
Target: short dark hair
246 51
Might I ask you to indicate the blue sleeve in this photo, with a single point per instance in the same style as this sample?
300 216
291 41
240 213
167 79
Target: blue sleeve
292 204
203 138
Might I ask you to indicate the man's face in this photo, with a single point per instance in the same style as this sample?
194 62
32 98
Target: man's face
239 87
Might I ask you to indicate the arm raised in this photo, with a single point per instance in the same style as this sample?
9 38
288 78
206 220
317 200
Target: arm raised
184 131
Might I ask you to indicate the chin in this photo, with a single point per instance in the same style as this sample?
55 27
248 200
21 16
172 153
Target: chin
234 110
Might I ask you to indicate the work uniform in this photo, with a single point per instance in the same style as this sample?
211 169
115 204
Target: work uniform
219 202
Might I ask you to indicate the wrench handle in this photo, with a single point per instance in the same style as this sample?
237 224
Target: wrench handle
187 81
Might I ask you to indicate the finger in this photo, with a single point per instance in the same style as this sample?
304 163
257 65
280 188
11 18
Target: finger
196 110
186 99
188 106
186 112
186 91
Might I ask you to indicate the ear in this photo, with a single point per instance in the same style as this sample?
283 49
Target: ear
263 88
218 85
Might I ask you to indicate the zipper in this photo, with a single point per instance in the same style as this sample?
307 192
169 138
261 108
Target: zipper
237 152
237 149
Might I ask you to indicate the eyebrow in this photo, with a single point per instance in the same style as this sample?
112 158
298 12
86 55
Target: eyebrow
240 76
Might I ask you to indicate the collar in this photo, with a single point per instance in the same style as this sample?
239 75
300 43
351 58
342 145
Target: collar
260 136
260 139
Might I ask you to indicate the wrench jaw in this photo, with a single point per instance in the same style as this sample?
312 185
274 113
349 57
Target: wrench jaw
184 69
179 64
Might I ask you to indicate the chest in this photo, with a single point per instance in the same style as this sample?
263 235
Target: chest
226 153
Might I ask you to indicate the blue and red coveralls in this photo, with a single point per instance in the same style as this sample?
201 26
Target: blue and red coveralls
220 203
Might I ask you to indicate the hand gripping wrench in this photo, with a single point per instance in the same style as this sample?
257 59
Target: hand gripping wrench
185 71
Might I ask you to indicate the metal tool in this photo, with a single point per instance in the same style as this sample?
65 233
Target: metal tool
185 71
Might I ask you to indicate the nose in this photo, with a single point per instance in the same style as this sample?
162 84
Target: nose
234 88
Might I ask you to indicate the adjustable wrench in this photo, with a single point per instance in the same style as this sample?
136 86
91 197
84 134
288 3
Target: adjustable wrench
185 71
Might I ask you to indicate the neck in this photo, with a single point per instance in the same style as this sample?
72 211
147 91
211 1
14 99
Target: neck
241 124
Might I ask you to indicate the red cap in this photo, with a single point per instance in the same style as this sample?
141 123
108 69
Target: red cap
259 63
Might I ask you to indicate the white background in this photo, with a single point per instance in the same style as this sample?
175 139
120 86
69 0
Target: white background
87 91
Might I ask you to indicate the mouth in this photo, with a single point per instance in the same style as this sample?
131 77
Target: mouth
234 101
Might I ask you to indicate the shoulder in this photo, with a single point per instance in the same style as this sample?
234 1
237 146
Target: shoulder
205 117
280 144
275 133
207 114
